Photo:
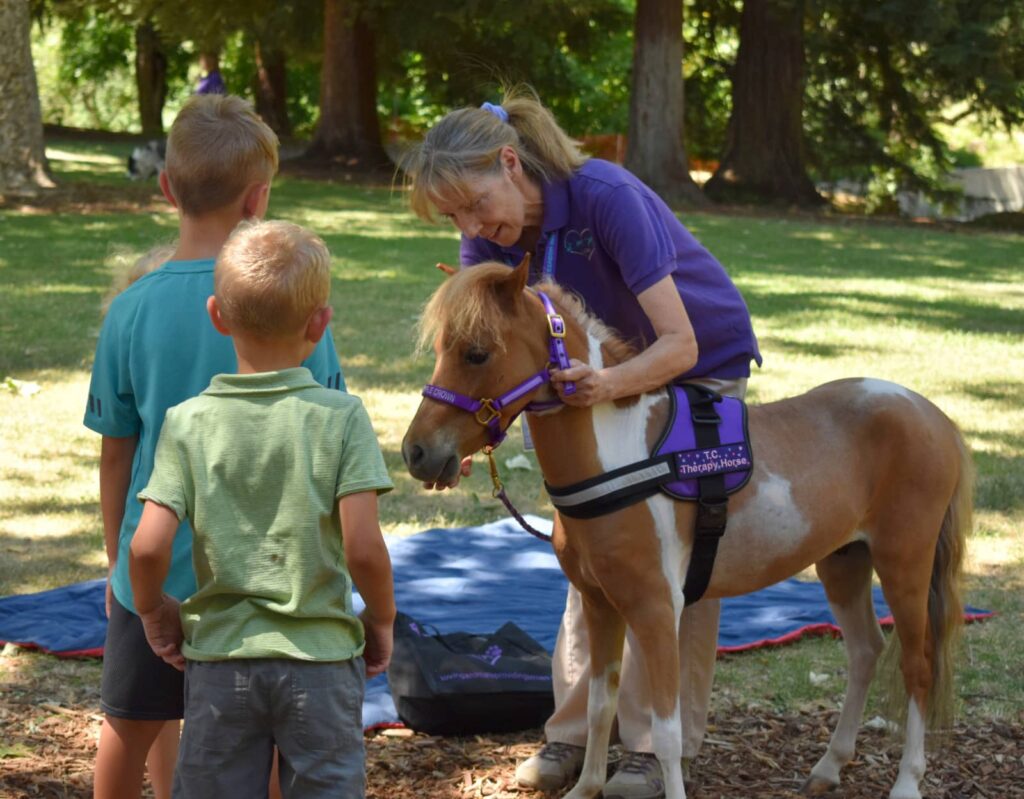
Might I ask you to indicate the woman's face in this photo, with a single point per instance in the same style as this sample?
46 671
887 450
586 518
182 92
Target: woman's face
492 207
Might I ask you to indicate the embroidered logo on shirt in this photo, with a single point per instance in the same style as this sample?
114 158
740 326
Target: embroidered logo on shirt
580 242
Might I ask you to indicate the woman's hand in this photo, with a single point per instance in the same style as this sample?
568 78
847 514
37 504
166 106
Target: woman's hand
465 468
593 386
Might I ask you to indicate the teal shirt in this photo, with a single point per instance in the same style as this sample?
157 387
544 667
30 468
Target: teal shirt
258 462
158 348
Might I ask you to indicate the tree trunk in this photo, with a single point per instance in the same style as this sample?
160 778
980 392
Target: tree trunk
23 167
271 89
764 153
348 131
656 152
150 78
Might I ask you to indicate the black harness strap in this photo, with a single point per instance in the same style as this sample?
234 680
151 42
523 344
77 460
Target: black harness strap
712 503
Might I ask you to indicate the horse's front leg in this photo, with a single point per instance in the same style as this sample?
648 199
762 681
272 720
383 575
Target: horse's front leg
655 627
607 635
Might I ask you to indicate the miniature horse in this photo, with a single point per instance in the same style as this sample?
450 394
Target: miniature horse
854 475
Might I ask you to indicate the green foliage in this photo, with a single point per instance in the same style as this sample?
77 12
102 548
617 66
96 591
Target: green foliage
879 76
577 56
710 33
86 69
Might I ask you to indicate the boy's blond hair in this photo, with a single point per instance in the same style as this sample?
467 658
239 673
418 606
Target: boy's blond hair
128 269
271 277
216 148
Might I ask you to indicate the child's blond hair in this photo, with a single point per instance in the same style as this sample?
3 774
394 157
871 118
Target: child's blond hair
128 269
217 147
271 277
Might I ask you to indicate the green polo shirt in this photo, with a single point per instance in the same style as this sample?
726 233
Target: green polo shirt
258 463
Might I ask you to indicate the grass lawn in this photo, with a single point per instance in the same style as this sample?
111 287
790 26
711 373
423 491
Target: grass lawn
940 312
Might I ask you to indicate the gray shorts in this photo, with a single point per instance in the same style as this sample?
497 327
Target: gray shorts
236 711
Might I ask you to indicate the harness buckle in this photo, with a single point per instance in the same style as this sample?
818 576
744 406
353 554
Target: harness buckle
556 325
712 516
487 406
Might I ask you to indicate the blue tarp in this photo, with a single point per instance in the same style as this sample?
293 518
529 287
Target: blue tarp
469 578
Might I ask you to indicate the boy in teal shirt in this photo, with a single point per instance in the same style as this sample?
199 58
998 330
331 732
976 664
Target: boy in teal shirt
156 349
279 477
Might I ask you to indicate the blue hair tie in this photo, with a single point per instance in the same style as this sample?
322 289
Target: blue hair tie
497 110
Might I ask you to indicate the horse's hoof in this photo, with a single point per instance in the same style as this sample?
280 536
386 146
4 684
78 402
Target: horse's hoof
817 786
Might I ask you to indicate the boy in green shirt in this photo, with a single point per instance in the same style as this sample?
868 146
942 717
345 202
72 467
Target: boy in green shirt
279 477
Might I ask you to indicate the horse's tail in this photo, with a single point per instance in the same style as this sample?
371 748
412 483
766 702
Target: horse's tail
945 606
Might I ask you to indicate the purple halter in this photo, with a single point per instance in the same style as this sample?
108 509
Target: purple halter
488 411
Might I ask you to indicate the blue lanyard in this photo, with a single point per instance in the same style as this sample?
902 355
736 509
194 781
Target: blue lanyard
550 253
550 256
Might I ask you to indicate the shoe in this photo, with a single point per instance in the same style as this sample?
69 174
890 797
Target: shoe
551 768
637 777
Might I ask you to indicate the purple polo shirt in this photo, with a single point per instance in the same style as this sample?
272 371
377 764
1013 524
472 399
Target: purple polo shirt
616 237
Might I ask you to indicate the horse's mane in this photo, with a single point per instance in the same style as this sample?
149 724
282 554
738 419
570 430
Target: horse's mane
467 310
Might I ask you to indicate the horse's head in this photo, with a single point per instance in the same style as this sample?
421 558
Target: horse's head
489 335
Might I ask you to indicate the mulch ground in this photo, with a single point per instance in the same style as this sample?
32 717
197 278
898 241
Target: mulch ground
48 737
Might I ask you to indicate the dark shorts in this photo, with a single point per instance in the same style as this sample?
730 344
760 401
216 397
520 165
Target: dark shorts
237 710
136 683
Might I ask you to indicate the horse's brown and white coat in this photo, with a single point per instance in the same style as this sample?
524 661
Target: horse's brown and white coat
852 476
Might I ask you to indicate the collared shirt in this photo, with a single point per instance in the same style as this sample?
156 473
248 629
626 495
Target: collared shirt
258 463
157 347
616 238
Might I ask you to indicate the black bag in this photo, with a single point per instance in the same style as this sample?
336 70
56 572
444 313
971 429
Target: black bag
463 683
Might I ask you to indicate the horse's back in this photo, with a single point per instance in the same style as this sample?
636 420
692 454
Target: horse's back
828 465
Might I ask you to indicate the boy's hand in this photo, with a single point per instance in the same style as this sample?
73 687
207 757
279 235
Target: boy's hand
108 598
163 630
379 643
465 469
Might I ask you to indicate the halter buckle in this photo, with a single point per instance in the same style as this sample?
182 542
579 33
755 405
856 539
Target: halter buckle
487 406
556 325
495 477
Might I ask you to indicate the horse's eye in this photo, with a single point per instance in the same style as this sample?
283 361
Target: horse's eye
477 356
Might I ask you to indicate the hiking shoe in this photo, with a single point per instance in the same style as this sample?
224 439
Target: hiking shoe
551 768
637 777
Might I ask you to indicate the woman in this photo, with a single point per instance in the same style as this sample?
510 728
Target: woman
512 182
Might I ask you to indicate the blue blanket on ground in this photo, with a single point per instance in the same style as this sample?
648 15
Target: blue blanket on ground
469 578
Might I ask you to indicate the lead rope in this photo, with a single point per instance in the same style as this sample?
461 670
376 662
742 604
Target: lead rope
499 493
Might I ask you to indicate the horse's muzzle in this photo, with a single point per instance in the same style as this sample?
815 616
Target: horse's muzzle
430 463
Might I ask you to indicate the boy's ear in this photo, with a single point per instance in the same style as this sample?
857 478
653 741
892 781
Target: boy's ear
317 323
257 198
214 311
165 187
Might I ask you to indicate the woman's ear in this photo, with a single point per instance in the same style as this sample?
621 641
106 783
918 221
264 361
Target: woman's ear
510 161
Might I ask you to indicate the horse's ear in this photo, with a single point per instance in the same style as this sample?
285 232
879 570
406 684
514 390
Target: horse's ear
448 270
510 288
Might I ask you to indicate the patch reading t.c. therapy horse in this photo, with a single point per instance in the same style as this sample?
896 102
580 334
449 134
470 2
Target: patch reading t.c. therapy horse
732 457
704 438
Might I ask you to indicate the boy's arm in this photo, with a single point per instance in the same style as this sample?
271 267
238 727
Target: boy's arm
116 456
370 566
148 566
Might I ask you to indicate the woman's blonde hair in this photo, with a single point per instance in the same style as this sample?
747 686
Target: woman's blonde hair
467 142
270 277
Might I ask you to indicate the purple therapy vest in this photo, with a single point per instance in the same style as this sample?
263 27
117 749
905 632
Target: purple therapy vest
608 237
